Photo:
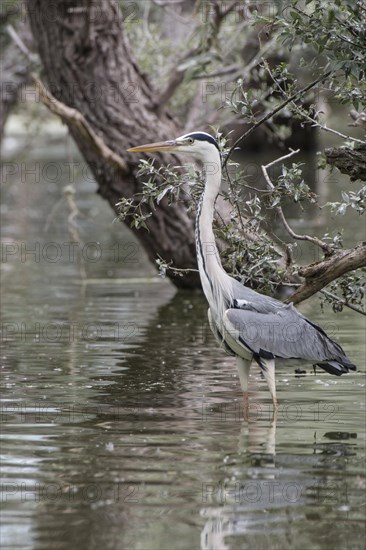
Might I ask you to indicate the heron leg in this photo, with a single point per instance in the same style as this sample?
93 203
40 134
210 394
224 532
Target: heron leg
243 369
268 369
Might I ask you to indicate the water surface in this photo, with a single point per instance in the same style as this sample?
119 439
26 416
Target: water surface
123 424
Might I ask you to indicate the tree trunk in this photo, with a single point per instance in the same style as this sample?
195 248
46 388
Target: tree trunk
89 67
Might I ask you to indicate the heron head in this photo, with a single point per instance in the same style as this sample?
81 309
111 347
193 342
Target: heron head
200 145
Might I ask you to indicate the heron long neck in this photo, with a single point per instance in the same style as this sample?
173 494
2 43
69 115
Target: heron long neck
214 279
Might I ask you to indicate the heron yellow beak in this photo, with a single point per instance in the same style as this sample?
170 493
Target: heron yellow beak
154 147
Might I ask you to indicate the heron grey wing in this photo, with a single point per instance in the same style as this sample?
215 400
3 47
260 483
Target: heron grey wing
246 298
285 334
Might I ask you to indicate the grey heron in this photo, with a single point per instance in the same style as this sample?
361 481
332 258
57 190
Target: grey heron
247 324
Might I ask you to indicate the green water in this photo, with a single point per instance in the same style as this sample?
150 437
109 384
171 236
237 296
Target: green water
122 423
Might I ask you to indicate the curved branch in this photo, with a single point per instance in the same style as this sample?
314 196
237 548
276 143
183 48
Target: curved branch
74 118
68 114
324 246
320 274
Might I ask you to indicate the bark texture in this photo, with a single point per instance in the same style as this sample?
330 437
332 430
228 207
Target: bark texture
320 274
89 67
349 161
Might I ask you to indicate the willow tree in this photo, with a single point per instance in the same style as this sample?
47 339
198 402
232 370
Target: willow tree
97 87
108 104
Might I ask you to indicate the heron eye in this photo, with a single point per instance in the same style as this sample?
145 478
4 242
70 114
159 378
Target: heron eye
190 140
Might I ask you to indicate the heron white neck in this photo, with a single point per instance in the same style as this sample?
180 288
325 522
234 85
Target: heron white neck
213 277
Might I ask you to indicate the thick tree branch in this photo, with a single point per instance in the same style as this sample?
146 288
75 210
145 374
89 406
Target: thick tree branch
320 274
349 161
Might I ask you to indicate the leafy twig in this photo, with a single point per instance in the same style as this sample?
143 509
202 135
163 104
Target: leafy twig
342 301
279 210
269 115
305 114
334 297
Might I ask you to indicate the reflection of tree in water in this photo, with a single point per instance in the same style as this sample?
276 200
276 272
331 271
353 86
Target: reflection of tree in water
157 360
99 459
160 364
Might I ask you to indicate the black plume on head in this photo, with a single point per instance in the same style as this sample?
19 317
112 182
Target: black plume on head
202 136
